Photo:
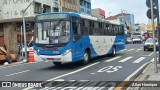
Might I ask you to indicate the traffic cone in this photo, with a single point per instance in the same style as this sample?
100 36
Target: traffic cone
30 55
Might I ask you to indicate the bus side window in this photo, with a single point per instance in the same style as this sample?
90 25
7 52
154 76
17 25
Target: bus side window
76 26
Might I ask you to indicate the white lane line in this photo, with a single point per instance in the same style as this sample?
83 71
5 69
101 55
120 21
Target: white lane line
17 73
138 49
93 73
66 74
139 59
152 60
59 80
126 59
73 72
150 54
112 59
131 49
83 80
134 73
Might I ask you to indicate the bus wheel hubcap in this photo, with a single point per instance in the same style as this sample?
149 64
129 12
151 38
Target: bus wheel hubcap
85 57
114 52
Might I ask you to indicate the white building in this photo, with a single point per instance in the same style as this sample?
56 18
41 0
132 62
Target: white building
11 18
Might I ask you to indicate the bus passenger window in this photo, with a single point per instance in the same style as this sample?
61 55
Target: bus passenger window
76 27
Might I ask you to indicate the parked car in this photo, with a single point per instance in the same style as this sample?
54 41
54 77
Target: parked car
137 39
148 45
128 40
5 55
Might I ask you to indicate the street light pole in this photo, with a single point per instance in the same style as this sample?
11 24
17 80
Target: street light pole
24 28
153 33
158 29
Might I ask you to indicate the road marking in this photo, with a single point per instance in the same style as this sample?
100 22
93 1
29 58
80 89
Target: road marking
15 65
152 60
83 80
112 59
123 83
73 72
17 73
126 59
138 49
59 80
93 73
131 49
66 74
150 54
139 60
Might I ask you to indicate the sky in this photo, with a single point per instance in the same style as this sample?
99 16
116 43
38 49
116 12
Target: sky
113 7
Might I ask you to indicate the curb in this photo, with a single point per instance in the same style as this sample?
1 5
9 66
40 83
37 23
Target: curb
12 64
140 75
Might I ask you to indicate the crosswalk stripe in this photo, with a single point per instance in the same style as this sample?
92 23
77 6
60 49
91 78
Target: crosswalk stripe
139 59
123 60
112 59
131 49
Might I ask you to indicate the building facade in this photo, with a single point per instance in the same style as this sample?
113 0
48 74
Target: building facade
85 7
68 6
11 19
99 13
140 28
126 19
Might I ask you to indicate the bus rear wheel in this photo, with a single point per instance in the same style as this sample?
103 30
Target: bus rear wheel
113 51
57 63
86 58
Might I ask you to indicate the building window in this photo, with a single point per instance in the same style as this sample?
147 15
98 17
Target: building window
1 29
81 2
46 8
37 7
55 10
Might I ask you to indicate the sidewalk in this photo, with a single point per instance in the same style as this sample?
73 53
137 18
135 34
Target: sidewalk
149 75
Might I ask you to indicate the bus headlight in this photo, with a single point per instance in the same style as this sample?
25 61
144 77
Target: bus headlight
66 52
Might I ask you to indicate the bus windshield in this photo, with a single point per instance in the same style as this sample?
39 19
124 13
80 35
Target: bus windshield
52 31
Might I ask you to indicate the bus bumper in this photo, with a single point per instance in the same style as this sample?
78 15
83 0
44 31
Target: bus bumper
57 58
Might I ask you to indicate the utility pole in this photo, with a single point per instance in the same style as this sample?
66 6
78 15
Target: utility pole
24 28
153 33
21 42
158 29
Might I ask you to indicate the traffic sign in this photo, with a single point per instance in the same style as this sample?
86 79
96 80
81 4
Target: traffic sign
149 4
155 11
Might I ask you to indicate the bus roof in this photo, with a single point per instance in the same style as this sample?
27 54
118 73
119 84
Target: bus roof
85 16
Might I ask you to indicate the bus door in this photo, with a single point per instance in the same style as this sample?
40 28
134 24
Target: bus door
77 41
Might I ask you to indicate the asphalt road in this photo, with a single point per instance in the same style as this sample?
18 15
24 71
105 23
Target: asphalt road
116 69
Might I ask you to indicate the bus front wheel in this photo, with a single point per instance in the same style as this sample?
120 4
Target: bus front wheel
86 58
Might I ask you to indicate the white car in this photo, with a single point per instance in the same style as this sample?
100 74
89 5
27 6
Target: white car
137 40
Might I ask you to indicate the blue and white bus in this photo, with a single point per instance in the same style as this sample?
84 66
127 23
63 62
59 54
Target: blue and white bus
69 37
